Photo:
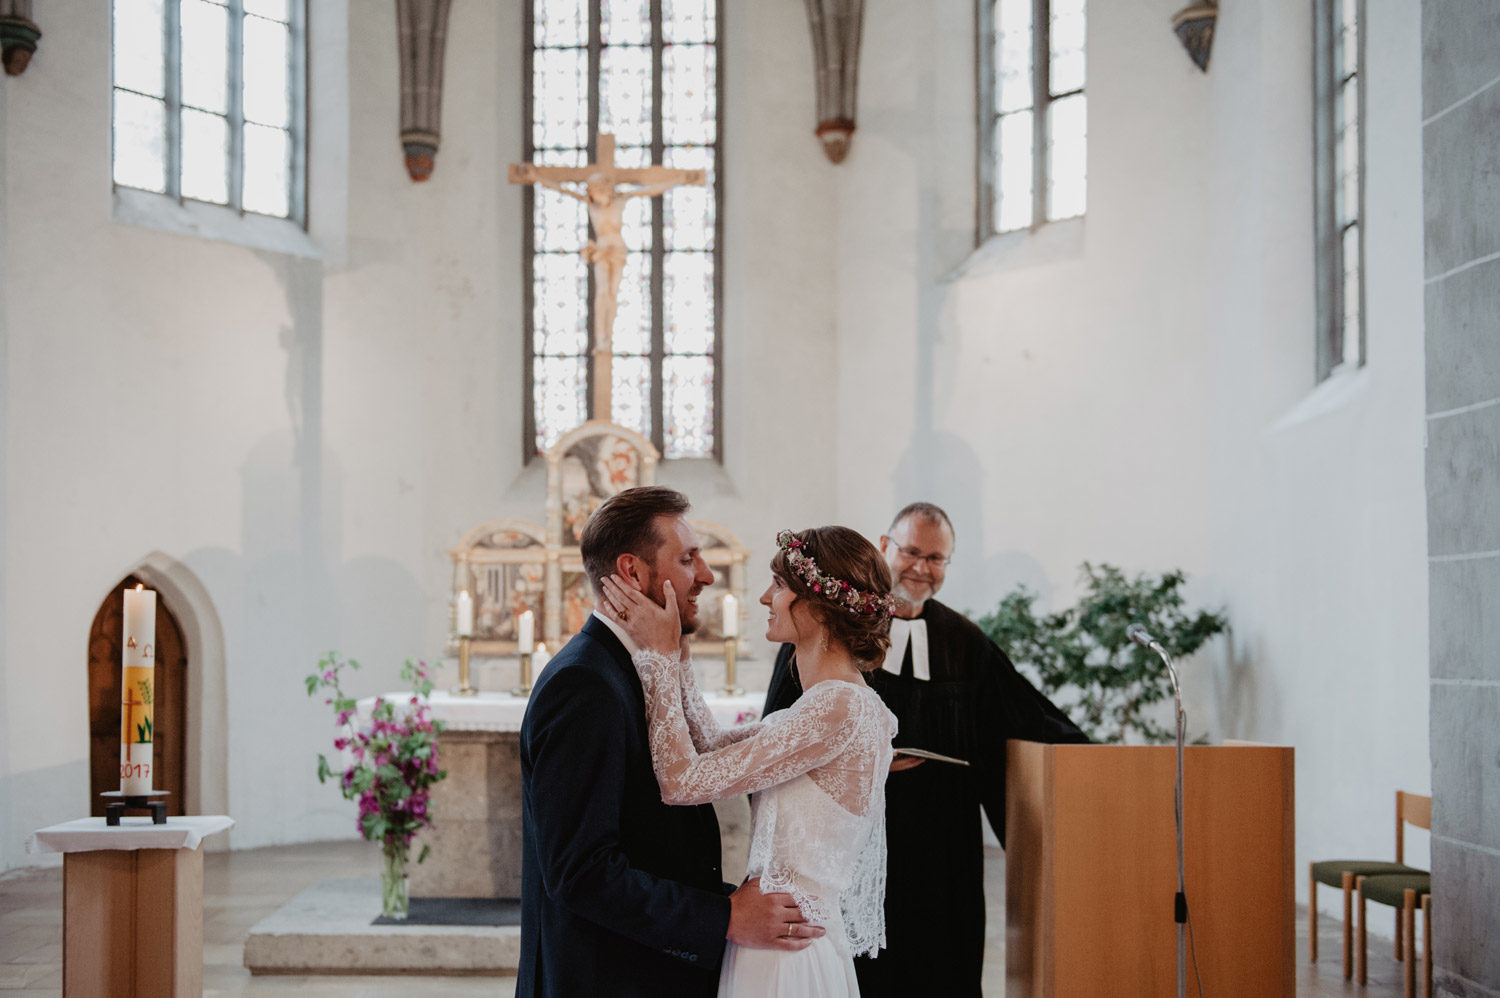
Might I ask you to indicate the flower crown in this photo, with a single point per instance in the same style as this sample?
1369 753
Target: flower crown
836 590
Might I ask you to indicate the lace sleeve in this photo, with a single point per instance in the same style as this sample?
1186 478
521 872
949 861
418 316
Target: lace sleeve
702 726
863 901
817 731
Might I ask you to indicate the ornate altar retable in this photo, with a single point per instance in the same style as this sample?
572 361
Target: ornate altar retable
509 565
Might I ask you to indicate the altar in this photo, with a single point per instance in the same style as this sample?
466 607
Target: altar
475 837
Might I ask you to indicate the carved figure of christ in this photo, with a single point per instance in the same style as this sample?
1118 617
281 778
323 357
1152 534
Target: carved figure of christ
598 189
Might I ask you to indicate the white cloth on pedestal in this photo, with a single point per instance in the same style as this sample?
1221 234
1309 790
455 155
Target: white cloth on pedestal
133 832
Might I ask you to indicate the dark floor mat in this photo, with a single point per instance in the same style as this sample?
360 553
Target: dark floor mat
458 911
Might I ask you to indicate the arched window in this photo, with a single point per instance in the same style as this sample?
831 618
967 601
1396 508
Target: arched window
648 73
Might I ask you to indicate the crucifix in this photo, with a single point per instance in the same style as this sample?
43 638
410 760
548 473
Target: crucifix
599 191
130 704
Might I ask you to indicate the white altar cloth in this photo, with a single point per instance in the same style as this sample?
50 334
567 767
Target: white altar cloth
503 712
133 832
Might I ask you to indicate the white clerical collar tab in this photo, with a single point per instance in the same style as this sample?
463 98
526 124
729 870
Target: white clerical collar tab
902 632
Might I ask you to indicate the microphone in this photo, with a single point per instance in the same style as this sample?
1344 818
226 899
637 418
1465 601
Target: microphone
1142 637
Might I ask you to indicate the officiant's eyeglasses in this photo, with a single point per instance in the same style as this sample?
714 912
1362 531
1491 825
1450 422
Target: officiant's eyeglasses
935 562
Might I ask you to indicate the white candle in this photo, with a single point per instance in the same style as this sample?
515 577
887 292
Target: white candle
465 614
731 616
539 659
525 631
138 691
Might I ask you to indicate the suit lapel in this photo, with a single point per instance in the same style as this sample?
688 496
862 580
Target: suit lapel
598 631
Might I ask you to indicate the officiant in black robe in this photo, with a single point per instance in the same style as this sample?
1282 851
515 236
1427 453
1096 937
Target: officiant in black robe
953 692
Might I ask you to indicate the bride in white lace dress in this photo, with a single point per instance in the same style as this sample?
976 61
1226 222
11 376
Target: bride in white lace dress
815 771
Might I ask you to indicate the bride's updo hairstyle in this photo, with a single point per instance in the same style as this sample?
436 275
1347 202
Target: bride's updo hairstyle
846 557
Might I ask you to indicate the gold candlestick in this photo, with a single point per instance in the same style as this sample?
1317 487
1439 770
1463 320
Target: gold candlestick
731 649
524 688
464 687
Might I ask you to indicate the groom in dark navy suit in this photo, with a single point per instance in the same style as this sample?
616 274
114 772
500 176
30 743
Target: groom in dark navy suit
620 893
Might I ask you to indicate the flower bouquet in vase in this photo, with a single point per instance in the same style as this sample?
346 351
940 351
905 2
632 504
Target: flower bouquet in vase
392 765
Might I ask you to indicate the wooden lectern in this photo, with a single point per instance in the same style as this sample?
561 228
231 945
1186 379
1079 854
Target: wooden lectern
1091 870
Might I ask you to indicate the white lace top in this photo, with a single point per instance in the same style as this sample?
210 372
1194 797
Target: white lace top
816 772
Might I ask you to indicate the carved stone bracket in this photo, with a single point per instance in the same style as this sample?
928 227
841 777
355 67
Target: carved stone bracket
18 36
422 30
1194 25
835 28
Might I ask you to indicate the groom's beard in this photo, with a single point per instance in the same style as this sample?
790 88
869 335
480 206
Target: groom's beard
658 594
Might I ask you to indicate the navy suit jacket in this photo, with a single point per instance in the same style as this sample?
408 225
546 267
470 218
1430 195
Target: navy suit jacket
620 893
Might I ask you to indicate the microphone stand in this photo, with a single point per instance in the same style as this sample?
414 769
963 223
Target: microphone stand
1180 903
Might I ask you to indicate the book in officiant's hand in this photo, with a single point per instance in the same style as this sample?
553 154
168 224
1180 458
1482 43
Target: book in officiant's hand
918 753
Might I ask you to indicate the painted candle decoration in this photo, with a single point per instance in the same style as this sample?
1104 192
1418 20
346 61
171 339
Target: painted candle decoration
138 691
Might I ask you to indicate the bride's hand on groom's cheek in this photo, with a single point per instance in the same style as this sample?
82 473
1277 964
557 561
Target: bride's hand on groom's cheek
650 626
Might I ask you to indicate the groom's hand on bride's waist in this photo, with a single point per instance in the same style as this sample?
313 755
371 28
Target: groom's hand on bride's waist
768 921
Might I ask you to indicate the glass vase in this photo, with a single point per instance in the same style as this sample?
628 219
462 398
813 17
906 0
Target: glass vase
393 883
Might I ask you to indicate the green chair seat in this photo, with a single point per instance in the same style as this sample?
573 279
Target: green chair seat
1392 887
1331 871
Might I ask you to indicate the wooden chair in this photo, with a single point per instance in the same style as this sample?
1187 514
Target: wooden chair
1405 893
1344 873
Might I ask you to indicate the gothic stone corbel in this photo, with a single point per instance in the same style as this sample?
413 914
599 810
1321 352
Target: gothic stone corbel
835 28
18 36
422 29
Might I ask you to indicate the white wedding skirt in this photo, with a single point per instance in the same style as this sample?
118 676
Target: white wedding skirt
820 971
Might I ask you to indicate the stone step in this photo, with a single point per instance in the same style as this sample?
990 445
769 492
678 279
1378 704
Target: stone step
329 929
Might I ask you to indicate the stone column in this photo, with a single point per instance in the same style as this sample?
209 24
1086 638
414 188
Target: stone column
1461 194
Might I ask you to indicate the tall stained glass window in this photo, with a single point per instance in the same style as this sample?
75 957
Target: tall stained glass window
1034 123
1339 172
646 72
208 99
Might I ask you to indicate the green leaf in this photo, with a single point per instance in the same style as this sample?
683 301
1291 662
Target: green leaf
1081 656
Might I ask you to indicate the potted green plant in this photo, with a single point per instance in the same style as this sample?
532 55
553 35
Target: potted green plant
1081 656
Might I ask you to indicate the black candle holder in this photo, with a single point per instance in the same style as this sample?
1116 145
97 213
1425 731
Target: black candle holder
117 802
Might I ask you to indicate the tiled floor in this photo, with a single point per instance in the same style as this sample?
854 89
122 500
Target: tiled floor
242 888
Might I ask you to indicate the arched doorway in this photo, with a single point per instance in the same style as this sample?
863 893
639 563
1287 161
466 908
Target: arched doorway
169 755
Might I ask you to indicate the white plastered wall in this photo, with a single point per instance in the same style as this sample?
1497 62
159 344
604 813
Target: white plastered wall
303 438
1138 388
1134 388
